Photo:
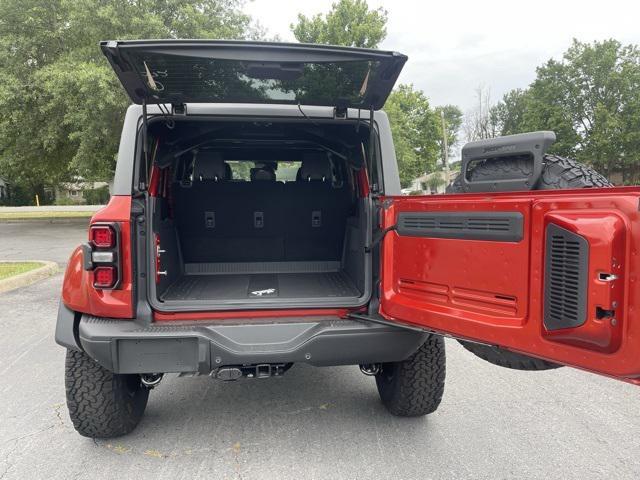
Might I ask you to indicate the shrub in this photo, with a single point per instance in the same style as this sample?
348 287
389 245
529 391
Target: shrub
97 196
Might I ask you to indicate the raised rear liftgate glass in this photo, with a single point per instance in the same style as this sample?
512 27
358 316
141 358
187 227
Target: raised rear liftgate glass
205 80
253 72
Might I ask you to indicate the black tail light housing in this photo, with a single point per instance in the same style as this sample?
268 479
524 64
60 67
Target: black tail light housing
102 255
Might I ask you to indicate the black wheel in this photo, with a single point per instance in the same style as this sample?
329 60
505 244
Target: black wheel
102 404
414 387
557 173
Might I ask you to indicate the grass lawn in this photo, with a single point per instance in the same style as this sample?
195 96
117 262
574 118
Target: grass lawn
43 215
9 269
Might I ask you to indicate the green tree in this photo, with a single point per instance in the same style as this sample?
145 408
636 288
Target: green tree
511 110
62 105
349 23
590 99
416 131
414 124
434 182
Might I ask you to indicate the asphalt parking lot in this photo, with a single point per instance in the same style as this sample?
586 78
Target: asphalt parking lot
311 423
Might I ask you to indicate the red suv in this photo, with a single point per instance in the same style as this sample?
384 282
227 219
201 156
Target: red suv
257 221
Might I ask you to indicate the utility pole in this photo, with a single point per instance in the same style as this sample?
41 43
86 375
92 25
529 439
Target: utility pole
445 149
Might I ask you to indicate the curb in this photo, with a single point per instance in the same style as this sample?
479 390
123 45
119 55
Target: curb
47 220
27 278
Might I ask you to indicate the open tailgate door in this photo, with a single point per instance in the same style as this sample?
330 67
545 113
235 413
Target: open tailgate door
551 274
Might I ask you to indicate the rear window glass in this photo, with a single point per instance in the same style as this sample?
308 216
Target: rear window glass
175 78
285 171
241 170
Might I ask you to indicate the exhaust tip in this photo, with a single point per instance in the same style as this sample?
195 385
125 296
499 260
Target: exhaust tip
151 380
370 369
228 374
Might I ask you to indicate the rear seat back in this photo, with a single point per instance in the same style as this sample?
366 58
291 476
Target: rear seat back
224 221
220 220
258 227
316 212
192 199
197 212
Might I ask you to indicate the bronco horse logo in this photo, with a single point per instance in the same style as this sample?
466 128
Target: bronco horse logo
260 293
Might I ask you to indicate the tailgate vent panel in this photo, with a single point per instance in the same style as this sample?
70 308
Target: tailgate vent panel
496 226
565 278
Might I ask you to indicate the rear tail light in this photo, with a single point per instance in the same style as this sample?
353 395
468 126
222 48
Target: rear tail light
105 277
102 236
103 256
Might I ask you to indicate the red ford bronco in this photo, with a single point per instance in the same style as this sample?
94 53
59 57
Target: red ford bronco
256 221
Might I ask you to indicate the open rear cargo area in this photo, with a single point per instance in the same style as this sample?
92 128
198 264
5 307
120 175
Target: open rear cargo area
303 280
249 223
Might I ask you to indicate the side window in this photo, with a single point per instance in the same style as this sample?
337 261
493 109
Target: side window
337 174
371 166
374 162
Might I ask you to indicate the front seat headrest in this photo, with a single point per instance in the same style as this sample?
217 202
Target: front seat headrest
315 166
262 174
209 166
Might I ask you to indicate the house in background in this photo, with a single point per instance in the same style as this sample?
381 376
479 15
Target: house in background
78 192
430 184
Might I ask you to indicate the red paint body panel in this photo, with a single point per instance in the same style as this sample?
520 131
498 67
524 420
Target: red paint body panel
607 243
154 181
78 292
493 291
363 183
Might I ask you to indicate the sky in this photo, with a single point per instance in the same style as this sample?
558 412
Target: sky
454 47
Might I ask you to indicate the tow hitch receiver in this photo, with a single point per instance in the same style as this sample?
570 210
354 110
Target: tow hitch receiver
261 370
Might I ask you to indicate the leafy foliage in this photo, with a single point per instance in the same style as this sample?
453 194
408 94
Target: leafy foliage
416 132
590 99
62 105
415 126
349 23
96 196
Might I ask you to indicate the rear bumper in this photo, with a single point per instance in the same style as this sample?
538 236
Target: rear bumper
199 347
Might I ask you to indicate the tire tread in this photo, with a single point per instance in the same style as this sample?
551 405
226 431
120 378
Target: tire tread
101 404
417 385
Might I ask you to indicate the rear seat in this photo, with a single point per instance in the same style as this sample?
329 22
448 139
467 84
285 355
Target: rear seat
259 224
224 221
197 211
316 212
220 220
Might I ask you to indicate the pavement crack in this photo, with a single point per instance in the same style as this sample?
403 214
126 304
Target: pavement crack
56 409
21 437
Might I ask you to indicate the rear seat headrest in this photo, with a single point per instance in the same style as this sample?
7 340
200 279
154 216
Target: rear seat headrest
209 166
315 166
262 174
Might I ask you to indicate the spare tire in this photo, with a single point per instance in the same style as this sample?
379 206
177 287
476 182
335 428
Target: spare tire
557 173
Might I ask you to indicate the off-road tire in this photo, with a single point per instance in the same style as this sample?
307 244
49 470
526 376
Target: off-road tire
102 404
414 387
557 173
